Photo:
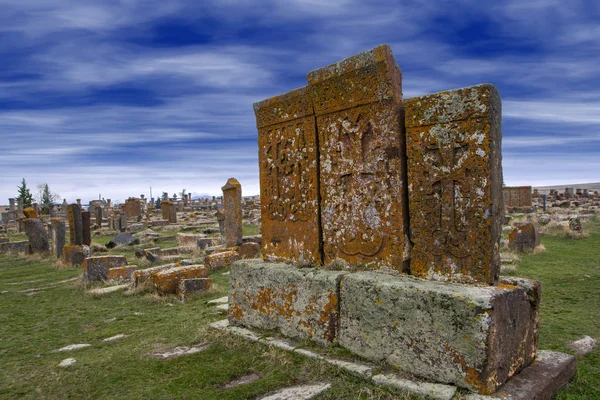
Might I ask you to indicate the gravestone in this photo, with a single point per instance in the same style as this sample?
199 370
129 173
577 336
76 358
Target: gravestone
221 220
86 228
169 212
75 224
524 238
289 181
232 199
58 236
122 222
30 212
38 237
98 216
455 181
358 104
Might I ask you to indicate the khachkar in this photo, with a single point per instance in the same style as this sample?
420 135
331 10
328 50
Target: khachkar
455 176
449 318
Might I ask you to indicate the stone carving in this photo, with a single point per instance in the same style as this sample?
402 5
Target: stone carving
288 175
232 201
358 107
455 184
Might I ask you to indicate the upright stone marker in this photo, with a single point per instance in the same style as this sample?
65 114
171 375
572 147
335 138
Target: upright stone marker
98 216
287 141
58 236
86 227
455 177
38 237
232 199
358 108
75 224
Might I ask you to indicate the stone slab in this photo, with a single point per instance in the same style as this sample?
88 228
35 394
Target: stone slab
96 268
427 390
75 254
540 381
59 232
363 186
75 224
301 392
167 281
300 302
471 336
232 206
455 184
289 184
37 235
15 247
221 259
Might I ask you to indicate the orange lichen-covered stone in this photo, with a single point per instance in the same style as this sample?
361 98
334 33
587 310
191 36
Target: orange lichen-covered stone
358 109
169 211
194 285
232 207
29 212
221 259
75 254
143 277
124 273
287 155
75 224
167 281
455 178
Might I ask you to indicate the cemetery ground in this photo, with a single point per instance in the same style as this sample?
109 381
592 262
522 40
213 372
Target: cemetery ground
44 308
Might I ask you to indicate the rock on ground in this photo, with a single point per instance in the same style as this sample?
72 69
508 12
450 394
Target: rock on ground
178 351
74 347
584 345
67 362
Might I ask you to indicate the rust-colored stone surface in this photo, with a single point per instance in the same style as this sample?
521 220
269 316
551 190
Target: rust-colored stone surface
517 196
143 277
133 207
188 287
74 254
75 224
455 184
169 211
289 187
232 206
358 109
121 274
29 212
221 259
524 238
167 281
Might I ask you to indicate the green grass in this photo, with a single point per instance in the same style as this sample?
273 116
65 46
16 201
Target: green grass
32 326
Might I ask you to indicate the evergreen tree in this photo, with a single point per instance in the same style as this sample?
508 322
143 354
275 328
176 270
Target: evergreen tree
25 194
46 198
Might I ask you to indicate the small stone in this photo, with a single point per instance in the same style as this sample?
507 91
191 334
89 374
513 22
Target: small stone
109 289
353 368
309 354
428 390
222 324
222 307
302 392
73 347
584 345
279 343
220 300
178 351
67 362
242 380
116 337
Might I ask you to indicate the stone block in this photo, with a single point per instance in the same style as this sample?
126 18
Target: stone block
15 247
121 274
524 238
289 184
30 212
86 227
143 277
38 236
475 337
75 254
455 184
249 250
300 302
221 259
59 232
232 206
167 281
96 268
205 242
193 285
75 224
188 239
363 188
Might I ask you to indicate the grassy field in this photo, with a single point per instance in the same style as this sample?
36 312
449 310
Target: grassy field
63 313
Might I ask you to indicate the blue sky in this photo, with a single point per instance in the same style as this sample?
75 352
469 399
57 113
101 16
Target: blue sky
112 97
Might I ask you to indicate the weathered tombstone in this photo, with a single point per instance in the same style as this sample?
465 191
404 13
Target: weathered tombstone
98 216
169 211
287 140
575 224
221 220
30 212
58 236
524 238
358 104
86 234
38 237
232 198
455 176
75 224
544 201
123 222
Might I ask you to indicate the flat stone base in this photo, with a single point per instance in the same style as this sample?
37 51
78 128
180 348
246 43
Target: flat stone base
301 303
475 337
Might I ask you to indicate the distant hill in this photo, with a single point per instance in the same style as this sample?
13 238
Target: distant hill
589 186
